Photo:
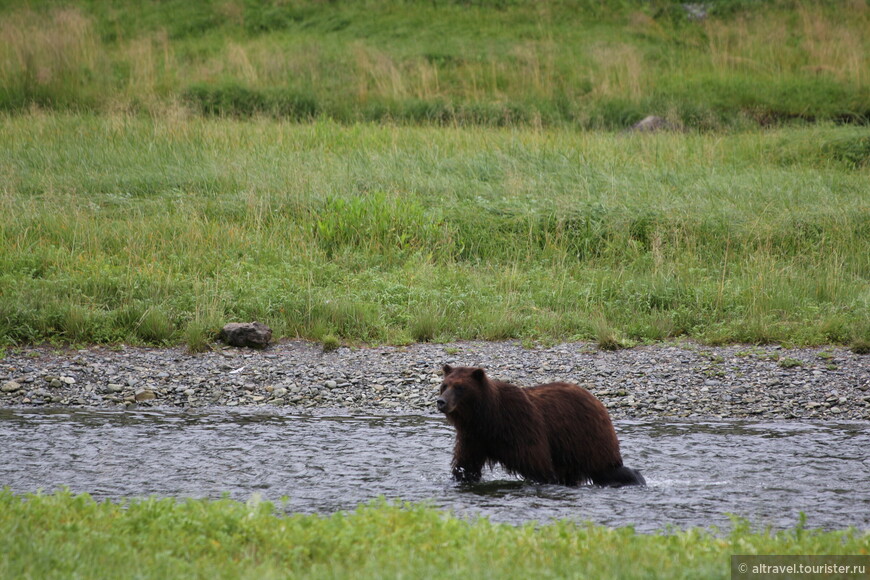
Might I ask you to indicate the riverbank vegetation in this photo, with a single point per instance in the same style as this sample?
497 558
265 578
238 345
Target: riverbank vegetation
580 63
159 230
395 171
62 535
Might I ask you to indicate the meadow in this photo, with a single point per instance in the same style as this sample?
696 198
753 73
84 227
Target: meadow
407 171
127 228
62 535
577 63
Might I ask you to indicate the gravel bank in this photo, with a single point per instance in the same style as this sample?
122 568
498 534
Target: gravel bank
669 380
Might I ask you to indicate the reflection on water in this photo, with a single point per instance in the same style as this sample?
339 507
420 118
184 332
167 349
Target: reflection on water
697 471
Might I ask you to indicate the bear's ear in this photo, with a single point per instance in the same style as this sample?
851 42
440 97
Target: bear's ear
447 369
478 375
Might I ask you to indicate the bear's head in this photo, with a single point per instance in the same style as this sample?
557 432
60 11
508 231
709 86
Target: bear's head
462 390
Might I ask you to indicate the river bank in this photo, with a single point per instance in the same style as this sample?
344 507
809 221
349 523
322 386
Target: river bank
665 380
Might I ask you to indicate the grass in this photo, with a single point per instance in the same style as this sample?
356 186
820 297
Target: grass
330 343
120 228
63 536
503 63
790 363
411 171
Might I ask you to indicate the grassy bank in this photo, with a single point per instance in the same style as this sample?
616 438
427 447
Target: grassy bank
159 230
64 536
573 62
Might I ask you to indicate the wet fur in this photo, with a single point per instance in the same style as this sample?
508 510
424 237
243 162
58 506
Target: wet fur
553 433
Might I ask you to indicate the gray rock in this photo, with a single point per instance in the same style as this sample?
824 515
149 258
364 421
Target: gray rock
250 334
696 10
10 387
144 395
653 124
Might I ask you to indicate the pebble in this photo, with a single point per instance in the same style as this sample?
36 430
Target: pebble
666 380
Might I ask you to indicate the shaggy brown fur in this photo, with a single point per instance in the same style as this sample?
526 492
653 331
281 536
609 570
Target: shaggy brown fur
553 433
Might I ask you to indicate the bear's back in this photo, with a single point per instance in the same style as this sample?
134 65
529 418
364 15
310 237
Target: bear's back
580 431
556 399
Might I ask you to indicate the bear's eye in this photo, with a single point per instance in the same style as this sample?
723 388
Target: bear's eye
443 386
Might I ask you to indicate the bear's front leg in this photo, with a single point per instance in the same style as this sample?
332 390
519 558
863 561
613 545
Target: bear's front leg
468 461
465 474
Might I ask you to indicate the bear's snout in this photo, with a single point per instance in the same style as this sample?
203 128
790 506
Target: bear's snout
442 405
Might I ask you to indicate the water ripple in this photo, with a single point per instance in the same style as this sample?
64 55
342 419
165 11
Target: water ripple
697 471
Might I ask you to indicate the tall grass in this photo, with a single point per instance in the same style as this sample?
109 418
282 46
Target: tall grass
63 536
120 228
47 58
589 64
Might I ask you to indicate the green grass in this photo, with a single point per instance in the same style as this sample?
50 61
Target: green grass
159 230
498 63
72 536
409 171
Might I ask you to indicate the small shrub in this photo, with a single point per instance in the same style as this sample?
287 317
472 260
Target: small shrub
500 325
860 346
197 335
606 337
330 343
425 327
790 363
344 317
77 324
155 327
374 221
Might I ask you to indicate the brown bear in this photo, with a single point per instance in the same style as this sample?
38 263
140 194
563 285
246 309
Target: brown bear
554 433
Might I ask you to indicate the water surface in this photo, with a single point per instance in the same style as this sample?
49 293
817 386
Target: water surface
697 471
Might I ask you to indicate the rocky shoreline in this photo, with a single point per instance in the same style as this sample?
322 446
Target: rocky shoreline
679 380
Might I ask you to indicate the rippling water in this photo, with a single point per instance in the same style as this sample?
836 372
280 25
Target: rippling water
697 471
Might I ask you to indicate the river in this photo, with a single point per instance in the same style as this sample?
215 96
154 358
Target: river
697 472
